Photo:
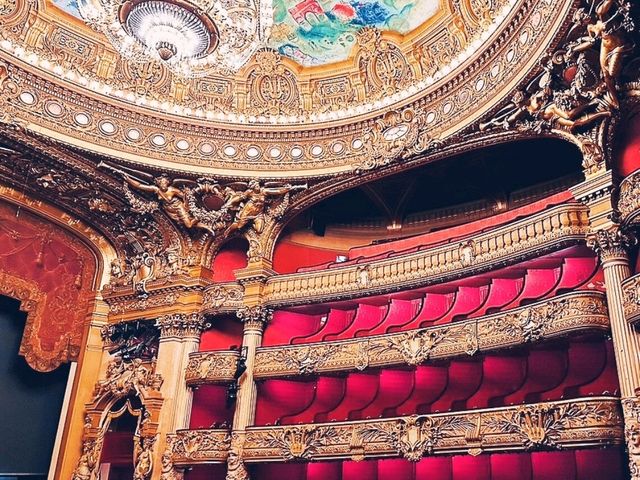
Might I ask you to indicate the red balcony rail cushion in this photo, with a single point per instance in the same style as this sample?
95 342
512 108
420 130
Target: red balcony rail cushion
456 233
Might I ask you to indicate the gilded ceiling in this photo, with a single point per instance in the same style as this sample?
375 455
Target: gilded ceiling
404 85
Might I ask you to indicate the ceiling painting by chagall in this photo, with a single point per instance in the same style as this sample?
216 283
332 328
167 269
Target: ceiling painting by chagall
317 32
314 32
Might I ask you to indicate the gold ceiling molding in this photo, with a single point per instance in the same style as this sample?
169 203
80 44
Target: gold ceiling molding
552 229
561 316
585 422
70 113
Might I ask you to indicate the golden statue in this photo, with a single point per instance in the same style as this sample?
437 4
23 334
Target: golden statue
143 461
171 198
613 46
251 203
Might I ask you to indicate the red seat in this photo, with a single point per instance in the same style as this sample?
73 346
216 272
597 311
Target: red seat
434 306
395 388
337 320
286 326
367 316
400 313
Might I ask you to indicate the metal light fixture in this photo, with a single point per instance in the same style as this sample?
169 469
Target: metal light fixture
194 37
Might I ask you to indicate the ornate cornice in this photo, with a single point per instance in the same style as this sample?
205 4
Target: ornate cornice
194 446
577 423
631 411
561 316
629 198
308 136
533 236
631 298
611 244
223 297
182 325
211 367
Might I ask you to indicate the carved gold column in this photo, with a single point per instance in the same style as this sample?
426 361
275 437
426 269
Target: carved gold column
179 336
255 319
88 371
612 245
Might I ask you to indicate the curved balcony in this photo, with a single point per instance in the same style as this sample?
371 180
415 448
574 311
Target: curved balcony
578 311
547 231
211 367
566 424
629 198
631 299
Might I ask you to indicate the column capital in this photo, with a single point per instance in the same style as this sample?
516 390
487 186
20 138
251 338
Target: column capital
611 243
181 325
256 316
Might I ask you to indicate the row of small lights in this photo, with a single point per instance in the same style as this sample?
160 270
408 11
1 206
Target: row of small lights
99 87
159 140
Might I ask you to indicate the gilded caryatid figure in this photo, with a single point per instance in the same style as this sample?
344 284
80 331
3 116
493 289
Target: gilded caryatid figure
171 198
242 204
612 19
143 459
250 204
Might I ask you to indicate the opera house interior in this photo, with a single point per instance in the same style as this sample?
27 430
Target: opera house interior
319 239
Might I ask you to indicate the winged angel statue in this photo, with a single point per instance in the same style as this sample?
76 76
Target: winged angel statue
233 206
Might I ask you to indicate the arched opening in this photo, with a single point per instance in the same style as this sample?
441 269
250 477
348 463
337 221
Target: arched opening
490 182
231 256
30 402
122 431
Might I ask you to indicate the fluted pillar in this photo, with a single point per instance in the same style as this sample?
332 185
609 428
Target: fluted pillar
179 336
254 320
612 246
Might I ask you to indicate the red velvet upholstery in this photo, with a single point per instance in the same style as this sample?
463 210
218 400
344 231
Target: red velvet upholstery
209 407
225 333
553 371
592 464
458 300
628 158
232 256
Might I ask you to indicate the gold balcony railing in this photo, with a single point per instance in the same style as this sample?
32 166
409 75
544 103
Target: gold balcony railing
564 424
577 311
535 235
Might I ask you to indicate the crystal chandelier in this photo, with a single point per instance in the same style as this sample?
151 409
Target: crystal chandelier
192 38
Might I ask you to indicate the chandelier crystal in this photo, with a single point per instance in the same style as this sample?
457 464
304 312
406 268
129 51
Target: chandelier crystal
192 38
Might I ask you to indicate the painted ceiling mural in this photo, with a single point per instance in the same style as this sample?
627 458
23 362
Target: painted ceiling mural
316 32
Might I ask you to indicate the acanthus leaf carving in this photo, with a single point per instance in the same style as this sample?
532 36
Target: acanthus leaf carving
416 436
298 442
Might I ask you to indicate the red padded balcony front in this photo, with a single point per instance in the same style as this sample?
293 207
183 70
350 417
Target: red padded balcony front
592 464
563 369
